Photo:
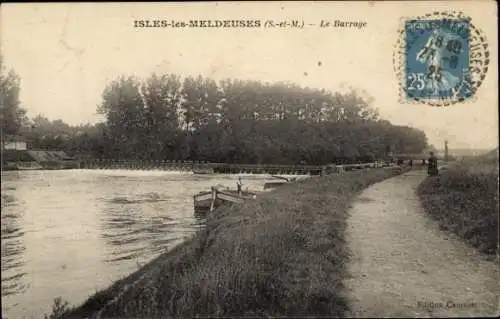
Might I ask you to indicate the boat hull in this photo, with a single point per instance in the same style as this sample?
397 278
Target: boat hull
203 171
206 201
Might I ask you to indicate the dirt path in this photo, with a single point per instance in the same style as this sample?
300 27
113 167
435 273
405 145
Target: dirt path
402 265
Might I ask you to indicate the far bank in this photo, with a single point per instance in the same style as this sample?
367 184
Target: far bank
464 201
283 253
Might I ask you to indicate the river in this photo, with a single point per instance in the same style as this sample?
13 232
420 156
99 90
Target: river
70 233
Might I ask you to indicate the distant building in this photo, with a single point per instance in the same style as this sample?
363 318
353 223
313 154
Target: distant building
15 143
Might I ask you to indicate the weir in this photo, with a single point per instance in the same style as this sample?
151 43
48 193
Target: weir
202 167
221 168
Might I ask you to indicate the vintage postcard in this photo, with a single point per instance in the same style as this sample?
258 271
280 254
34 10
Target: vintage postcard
249 159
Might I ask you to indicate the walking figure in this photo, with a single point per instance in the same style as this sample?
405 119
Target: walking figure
432 169
239 185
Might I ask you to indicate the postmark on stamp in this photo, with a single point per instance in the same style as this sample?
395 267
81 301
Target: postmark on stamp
440 59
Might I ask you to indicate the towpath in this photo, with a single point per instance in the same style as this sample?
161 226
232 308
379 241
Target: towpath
402 265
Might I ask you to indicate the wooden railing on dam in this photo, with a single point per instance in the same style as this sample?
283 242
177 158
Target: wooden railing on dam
221 168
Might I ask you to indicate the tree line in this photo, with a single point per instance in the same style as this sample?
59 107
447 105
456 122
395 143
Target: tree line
166 117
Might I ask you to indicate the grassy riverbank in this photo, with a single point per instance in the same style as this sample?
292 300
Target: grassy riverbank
464 200
282 254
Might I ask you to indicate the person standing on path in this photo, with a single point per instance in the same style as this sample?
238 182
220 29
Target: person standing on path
239 185
432 169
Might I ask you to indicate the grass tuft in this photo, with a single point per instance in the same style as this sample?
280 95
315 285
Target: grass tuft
59 308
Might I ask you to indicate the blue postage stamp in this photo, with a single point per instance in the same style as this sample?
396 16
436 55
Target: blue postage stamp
441 59
437 59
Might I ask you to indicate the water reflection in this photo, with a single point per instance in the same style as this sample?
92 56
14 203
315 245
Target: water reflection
70 233
12 244
137 226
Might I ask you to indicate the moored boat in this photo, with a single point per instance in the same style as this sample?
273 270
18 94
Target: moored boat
217 196
202 201
203 171
30 166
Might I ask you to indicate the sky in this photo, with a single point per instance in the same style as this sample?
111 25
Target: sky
66 53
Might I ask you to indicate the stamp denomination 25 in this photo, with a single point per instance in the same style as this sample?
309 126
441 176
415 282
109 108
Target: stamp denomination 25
441 59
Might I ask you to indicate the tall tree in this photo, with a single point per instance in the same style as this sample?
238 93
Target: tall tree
245 122
13 116
200 99
124 109
162 97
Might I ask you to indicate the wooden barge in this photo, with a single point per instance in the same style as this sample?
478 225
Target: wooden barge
203 171
207 201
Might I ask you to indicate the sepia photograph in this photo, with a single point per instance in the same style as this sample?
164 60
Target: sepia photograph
249 159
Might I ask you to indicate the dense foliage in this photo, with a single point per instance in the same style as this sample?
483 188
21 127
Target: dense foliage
12 116
165 117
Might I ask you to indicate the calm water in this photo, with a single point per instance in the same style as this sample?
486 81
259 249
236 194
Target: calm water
70 233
